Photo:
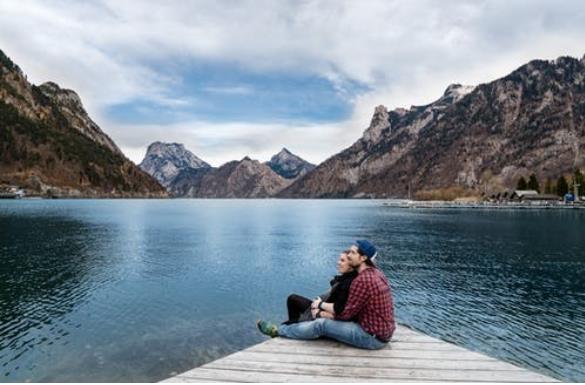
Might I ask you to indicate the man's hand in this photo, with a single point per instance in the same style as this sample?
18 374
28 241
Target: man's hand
326 314
322 314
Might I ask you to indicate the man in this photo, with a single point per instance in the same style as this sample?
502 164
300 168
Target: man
369 303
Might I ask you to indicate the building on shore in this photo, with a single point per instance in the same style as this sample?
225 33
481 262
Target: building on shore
533 196
522 194
542 197
11 192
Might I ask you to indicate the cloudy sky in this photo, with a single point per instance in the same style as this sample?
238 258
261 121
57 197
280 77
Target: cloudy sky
236 78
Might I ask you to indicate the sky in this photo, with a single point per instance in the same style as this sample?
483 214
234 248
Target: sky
246 78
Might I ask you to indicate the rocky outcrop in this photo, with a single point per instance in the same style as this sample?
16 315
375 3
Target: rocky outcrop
289 165
476 138
70 106
165 161
246 178
50 146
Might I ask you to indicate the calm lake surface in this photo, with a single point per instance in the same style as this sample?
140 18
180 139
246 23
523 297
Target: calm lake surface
139 290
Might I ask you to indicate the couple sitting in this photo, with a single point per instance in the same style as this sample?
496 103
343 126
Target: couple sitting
358 309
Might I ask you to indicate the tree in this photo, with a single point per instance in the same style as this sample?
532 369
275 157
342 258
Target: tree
579 179
522 185
562 186
550 187
533 183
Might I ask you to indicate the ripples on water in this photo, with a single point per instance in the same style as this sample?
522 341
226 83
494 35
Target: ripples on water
140 290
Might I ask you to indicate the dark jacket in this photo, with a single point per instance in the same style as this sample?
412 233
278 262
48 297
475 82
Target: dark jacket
340 290
337 294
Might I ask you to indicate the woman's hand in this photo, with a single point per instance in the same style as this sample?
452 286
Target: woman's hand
314 312
316 302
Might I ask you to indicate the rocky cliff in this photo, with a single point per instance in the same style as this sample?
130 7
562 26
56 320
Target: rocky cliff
289 165
50 146
481 139
165 161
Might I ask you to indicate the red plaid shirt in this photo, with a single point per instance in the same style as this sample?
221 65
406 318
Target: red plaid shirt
370 302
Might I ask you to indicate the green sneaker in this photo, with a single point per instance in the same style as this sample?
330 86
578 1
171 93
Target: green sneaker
267 328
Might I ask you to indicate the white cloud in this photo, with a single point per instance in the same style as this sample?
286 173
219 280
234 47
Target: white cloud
230 90
405 52
217 143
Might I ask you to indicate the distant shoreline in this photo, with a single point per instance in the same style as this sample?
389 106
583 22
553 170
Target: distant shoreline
386 202
484 205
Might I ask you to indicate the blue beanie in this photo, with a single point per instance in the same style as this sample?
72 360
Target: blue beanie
367 249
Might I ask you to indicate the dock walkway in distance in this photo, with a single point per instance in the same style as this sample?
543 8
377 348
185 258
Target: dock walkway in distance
410 357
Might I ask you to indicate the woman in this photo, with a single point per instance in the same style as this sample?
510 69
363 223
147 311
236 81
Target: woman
299 307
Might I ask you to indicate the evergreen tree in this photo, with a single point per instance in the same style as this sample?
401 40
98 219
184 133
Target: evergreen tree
550 187
533 183
579 179
522 185
562 186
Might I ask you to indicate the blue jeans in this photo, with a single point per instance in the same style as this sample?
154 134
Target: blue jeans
347 332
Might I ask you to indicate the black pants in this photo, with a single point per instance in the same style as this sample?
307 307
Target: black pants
296 306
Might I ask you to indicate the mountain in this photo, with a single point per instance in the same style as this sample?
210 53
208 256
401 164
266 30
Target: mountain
185 175
246 178
50 146
289 165
165 161
475 139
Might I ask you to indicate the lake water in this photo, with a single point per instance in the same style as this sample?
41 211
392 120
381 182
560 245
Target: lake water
139 290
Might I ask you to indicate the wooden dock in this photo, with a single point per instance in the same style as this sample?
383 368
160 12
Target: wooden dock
410 357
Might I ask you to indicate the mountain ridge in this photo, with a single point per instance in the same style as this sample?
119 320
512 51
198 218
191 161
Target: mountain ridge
50 146
186 175
483 139
246 178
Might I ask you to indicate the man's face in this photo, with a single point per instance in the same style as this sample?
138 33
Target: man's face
355 259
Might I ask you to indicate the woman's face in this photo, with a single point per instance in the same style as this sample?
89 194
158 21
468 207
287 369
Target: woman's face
343 265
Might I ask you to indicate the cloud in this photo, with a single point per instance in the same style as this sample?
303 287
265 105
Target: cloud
230 90
218 143
400 53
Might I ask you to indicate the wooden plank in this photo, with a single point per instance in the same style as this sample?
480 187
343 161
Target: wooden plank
262 376
388 353
393 345
416 338
184 379
403 330
331 344
372 373
373 362
412 336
